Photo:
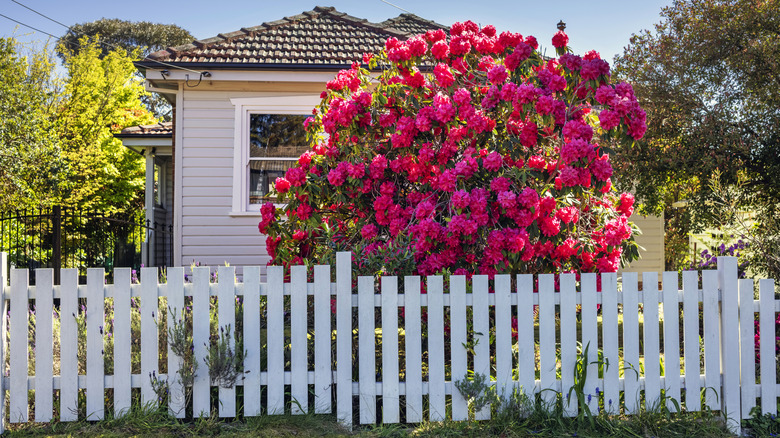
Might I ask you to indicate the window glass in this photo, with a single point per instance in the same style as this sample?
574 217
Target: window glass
276 135
262 175
157 185
275 143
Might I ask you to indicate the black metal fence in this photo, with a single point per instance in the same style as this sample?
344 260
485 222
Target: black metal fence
71 238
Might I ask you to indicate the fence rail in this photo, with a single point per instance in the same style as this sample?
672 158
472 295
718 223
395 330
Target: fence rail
371 352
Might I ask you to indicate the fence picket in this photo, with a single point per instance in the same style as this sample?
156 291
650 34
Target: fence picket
17 410
568 342
458 339
711 339
436 396
590 339
275 342
504 353
226 317
149 338
201 385
651 342
390 401
252 342
547 342
526 365
609 336
177 403
69 365
729 340
299 381
344 363
766 321
481 322
95 321
631 341
747 347
366 350
413 338
4 325
691 341
122 341
323 377
44 341
671 307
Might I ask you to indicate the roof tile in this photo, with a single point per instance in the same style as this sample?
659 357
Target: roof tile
323 36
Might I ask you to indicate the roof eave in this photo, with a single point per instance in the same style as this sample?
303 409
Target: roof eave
143 65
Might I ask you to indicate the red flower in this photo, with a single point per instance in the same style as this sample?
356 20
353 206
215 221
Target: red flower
560 40
282 185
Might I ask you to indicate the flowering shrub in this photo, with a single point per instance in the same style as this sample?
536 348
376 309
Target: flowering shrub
709 257
485 156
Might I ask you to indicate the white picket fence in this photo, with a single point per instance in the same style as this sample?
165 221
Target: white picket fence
469 328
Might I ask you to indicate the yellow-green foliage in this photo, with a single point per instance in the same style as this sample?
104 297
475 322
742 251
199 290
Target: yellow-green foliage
100 97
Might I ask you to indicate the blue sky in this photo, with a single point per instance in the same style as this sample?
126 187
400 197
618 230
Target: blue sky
605 26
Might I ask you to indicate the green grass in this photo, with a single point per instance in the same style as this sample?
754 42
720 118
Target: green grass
539 422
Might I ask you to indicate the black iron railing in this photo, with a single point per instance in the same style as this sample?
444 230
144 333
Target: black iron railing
62 237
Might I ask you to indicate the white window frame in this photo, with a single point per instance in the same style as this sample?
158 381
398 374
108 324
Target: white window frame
272 103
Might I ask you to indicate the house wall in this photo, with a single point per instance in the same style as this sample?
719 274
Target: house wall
211 233
651 258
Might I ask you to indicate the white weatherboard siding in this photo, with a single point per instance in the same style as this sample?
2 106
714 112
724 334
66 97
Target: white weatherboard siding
211 232
651 258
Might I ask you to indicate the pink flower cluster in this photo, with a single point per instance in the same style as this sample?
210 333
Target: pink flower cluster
472 146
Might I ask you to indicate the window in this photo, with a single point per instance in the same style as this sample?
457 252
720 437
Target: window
268 139
275 143
159 180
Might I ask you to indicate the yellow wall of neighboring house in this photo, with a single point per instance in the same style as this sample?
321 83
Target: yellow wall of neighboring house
651 241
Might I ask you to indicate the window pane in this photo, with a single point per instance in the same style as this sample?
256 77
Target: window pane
276 135
262 175
157 184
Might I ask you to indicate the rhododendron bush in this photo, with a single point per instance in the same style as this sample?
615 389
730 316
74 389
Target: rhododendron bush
470 153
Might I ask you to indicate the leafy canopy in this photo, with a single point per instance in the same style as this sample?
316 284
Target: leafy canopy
114 33
709 79
31 164
138 38
56 134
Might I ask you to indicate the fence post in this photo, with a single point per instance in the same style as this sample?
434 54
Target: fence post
729 341
56 257
3 307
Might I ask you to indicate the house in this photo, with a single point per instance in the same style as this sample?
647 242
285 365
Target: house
229 92
155 143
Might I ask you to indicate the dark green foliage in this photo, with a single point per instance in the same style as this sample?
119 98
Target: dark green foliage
708 77
129 35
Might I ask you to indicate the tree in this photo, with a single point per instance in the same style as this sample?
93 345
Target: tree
100 97
137 37
31 164
113 33
56 134
709 79
468 154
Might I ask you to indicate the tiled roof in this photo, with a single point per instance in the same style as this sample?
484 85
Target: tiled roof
320 38
162 129
412 24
